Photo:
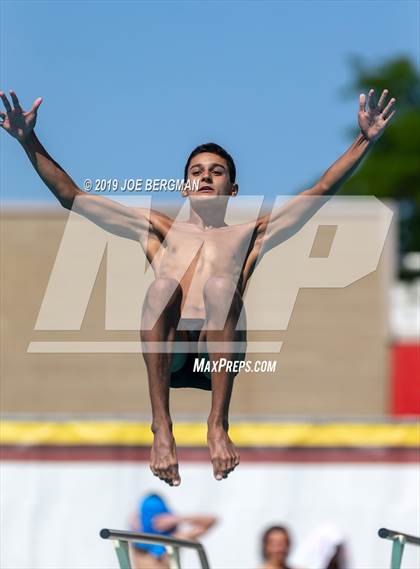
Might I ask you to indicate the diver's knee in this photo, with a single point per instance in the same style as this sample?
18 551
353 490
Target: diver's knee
165 290
218 288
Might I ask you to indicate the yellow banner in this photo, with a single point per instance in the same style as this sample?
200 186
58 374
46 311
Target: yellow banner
194 434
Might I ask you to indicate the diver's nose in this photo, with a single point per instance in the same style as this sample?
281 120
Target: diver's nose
206 177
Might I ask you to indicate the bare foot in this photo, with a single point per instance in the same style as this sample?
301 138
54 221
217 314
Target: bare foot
223 453
163 457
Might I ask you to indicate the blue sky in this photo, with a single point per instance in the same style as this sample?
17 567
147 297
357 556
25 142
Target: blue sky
130 88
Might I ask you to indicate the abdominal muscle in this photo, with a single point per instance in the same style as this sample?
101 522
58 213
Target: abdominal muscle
192 260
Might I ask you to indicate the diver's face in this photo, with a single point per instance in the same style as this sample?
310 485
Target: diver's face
208 175
277 546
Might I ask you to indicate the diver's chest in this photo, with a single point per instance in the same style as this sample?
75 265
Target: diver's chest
209 247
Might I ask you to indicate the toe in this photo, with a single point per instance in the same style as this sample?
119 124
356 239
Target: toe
176 478
217 469
161 473
174 475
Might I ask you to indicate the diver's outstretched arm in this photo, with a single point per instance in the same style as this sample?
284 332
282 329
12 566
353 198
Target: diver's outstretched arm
279 225
114 217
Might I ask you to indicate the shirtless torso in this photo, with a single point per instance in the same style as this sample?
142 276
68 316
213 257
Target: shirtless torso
192 255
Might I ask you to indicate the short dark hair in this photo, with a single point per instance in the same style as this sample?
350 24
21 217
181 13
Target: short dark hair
266 534
214 149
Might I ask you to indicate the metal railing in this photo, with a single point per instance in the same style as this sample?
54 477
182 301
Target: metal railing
399 540
172 544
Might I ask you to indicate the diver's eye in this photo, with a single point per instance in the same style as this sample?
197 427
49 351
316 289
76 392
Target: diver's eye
217 172
195 173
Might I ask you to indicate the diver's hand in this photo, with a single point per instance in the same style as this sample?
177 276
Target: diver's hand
15 120
373 121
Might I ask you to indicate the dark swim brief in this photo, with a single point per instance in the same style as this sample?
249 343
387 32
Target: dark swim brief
182 369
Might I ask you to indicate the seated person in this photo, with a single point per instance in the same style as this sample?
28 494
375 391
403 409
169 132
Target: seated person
154 517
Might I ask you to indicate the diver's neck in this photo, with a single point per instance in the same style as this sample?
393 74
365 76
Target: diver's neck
207 217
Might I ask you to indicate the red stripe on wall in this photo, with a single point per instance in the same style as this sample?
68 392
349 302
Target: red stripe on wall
405 379
141 454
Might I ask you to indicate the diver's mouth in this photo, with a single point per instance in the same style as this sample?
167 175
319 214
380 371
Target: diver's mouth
206 189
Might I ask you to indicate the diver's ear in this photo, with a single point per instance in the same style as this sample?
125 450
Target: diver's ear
235 189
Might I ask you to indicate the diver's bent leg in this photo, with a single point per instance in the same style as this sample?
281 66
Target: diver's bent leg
159 324
219 292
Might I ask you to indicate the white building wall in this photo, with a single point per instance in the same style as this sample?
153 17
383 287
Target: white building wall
52 512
